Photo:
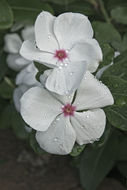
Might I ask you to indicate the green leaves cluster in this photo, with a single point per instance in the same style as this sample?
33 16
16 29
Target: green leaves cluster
97 161
20 12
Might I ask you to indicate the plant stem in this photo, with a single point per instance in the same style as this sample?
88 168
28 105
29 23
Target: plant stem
104 12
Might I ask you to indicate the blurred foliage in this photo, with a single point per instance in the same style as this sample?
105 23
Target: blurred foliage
109 20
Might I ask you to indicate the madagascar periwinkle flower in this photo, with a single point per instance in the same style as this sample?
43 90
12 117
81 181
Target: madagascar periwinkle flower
12 46
65 44
25 79
60 121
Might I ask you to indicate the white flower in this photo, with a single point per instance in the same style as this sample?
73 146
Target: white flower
62 120
65 44
25 79
13 44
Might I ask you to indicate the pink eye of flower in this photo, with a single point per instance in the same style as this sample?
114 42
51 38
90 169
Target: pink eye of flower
68 110
61 54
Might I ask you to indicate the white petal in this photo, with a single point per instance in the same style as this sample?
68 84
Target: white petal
59 138
63 99
28 33
18 92
89 126
39 108
44 35
92 94
70 28
66 80
27 75
44 76
88 51
16 62
12 43
30 52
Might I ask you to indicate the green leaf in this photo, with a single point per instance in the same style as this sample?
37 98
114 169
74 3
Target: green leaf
119 68
122 155
117 116
102 29
111 4
3 104
6 15
5 117
34 145
81 7
119 14
97 162
18 125
118 88
41 68
6 90
63 2
77 150
26 11
122 167
3 65
116 79
108 55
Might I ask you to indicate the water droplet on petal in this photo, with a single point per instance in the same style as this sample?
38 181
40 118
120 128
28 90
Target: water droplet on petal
69 97
66 64
87 116
82 127
60 67
67 50
57 119
71 73
91 141
67 92
56 139
49 36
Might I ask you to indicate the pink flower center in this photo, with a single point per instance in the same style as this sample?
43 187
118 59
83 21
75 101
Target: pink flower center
68 110
61 54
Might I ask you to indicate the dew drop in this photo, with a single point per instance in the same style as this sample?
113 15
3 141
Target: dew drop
61 64
49 36
91 141
71 73
67 92
57 119
56 139
69 97
60 67
87 116
66 64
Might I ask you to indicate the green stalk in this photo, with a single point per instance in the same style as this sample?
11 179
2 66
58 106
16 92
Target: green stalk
104 12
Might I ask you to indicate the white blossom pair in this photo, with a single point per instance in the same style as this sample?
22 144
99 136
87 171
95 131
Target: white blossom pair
61 115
